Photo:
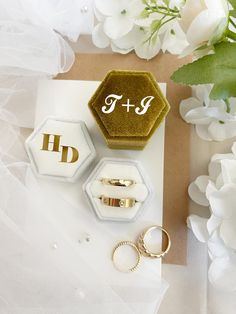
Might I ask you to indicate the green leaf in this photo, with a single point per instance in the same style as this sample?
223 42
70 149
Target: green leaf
144 14
166 2
232 13
155 25
218 69
233 3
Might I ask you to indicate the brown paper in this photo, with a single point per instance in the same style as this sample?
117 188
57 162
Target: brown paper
177 137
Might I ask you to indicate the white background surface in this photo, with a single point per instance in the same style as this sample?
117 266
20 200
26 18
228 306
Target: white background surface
68 99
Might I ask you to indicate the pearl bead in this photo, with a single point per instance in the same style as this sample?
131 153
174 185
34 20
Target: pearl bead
84 237
81 294
54 246
84 9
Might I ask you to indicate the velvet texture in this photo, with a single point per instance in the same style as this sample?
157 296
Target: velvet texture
125 129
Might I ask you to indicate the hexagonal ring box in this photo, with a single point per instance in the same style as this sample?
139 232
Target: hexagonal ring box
139 190
60 149
128 107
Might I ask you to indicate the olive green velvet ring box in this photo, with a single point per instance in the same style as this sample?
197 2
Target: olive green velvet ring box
128 107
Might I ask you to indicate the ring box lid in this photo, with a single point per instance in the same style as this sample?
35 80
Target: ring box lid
60 149
139 108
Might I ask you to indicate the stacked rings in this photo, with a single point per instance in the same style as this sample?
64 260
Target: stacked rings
118 202
141 248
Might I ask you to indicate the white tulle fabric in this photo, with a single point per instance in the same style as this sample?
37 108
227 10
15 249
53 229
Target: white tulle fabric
43 269
70 18
27 53
218 191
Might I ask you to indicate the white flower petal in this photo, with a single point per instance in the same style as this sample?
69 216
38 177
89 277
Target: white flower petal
107 7
234 149
216 246
228 231
99 16
219 182
204 115
223 201
188 104
191 9
222 274
145 22
228 171
120 50
197 196
202 132
202 93
134 37
202 27
214 167
197 116
173 44
118 26
212 225
202 183
197 190
199 227
174 39
211 187
189 50
221 132
219 7
147 51
99 38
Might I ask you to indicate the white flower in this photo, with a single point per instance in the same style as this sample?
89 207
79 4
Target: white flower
174 40
213 120
119 16
204 22
133 25
138 40
218 190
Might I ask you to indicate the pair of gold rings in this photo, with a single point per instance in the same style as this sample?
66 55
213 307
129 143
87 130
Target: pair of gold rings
118 202
141 248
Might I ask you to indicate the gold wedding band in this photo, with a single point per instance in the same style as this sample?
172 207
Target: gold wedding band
142 246
134 246
118 202
118 182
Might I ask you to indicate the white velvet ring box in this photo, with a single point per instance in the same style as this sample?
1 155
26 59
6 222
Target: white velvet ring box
60 149
113 168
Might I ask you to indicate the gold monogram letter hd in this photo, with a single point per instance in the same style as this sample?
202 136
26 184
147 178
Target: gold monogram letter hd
56 147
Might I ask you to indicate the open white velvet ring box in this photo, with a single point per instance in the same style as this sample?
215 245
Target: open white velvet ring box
124 169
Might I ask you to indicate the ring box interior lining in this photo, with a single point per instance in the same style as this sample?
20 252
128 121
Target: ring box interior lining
141 191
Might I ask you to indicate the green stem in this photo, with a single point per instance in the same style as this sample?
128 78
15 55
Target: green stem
231 34
164 8
172 18
232 22
228 108
156 30
165 13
